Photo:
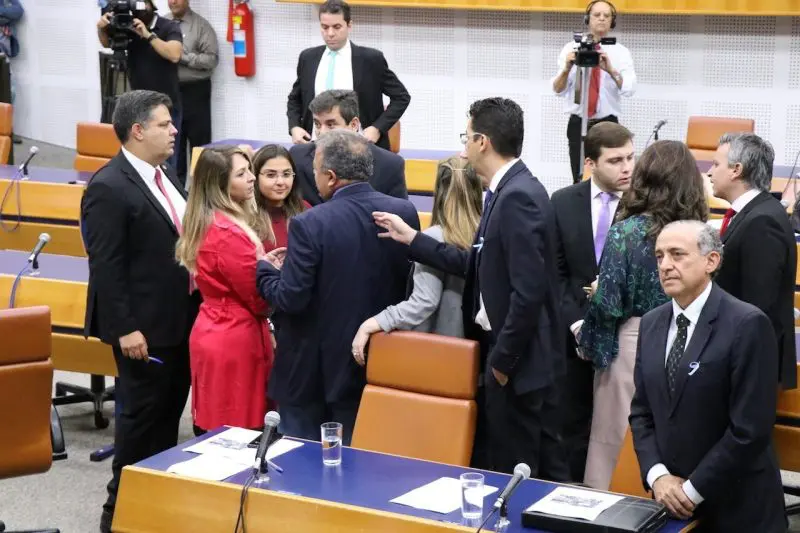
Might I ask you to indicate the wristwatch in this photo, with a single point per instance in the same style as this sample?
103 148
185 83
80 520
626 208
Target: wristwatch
151 37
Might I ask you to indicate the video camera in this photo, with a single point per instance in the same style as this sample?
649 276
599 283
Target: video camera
586 55
120 29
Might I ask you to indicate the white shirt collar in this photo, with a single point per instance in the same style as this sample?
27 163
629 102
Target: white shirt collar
693 310
596 190
143 168
500 173
741 202
344 51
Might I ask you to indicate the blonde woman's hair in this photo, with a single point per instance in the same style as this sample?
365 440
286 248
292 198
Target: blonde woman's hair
457 201
209 193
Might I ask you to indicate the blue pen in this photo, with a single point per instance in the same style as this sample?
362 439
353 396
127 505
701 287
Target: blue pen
275 467
156 360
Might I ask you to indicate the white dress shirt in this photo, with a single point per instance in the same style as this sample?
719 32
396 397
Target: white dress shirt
482 319
148 174
692 313
609 101
342 70
741 202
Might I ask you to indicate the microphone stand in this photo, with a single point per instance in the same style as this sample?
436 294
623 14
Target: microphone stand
502 521
585 77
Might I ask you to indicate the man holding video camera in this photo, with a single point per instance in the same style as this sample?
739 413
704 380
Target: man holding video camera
154 46
612 78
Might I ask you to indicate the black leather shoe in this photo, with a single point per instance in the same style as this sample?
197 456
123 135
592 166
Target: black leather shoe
105 521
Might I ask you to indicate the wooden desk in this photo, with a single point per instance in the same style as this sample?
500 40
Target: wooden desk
308 497
61 285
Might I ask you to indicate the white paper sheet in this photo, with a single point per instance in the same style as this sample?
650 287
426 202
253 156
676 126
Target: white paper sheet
232 445
575 503
440 496
207 466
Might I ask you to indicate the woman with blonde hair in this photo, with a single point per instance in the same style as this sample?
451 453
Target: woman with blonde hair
230 350
434 305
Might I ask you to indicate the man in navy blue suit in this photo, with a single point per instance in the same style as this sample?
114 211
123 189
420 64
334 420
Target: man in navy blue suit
511 295
704 406
335 274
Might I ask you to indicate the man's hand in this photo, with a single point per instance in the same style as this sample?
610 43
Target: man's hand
372 134
104 21
668 490
300 136
501 378
141 29
274 258
134 346
395 227
605 63
570 61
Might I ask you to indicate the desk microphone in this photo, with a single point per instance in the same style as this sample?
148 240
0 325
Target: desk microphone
271 421
521 472
23 168
660 124
44 238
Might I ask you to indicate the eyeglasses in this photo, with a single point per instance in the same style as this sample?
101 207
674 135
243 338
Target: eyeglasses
465 137
272 174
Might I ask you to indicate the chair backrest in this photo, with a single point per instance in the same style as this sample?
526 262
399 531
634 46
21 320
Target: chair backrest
627 478
703 133
6 128
786 438
26 381
394 137
96 145
420 397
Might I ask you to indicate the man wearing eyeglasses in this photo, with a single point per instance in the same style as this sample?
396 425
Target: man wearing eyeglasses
338 109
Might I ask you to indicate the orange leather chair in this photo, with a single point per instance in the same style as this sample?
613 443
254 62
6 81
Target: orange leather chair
394 137
703 133
6 127
627 478
420 397
26 379
96 145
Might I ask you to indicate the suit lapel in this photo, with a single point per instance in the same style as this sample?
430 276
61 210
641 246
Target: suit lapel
740 216
700 337
311 75
660 340
583 224
137 180
357 60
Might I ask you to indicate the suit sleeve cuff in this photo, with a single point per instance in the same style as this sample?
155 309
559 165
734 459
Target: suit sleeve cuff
656 472
691 493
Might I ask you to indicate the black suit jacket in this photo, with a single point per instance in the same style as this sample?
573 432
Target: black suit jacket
388 174
514 267
372 78
337 273
758 267
716 429
577 265
135 283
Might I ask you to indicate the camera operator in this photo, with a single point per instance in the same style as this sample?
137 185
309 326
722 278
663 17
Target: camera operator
154 49
613 77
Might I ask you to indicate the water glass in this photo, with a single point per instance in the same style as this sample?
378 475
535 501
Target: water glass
331 443
471 495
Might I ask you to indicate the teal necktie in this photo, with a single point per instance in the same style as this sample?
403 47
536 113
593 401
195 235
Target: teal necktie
331 70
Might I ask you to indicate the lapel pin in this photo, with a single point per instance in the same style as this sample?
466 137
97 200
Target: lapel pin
693 366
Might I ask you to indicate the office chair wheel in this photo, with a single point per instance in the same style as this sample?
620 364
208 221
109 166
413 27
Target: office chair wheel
100 422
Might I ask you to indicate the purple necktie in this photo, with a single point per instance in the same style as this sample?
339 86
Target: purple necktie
603 223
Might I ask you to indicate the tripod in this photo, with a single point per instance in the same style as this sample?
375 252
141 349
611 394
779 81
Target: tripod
113 74
584 73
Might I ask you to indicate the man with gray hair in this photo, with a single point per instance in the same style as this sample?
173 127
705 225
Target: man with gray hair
760 250
140 300
704 406
335 273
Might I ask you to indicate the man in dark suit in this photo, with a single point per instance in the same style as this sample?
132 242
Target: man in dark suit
760 250
511 295
341 64
704 406
139 299
584 212
334 110
336 274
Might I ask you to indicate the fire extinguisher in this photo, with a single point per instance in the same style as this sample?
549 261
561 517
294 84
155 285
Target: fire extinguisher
244 40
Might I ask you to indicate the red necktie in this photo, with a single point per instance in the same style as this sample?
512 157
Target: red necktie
594 89
727 220
175 219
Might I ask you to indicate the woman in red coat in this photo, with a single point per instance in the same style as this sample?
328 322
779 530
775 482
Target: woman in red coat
278 192
230 349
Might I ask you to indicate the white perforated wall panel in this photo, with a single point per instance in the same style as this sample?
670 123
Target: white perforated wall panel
731 66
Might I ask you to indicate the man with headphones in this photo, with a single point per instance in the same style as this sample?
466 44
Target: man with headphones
612 78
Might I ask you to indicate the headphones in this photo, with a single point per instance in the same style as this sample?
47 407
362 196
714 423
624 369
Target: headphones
589 10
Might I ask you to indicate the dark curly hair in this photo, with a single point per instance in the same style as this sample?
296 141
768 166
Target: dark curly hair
667 186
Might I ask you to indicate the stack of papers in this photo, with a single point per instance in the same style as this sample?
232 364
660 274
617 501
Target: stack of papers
440 496
226 454
575 503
